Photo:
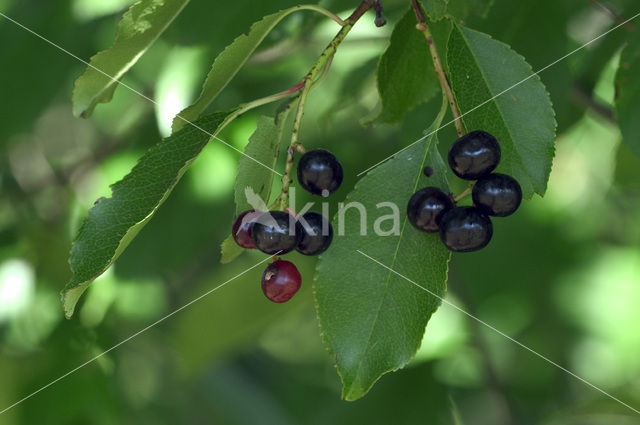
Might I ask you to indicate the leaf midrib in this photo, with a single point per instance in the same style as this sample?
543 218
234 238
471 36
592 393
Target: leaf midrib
389 273
494 101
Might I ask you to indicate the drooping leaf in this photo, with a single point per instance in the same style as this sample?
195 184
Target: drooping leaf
516 111
114 222
627 88
264 146
229 62
406 77
139 28
372 320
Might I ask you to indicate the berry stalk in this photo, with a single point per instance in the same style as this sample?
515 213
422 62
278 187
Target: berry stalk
437 64
464 193
318 71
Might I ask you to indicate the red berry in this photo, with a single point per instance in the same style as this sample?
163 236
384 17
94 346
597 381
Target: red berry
241 230
280 281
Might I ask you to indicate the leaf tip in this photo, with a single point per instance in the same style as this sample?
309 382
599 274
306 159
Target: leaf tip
70 297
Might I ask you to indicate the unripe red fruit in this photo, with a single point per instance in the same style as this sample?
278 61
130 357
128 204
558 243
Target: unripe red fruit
280 281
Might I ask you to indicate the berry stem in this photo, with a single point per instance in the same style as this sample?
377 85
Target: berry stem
315 75
437 64
464 193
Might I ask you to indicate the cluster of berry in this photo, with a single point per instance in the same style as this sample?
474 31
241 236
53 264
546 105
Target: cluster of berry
474 156
279 232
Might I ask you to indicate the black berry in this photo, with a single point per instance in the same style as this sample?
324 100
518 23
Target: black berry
428 171
474 155
319 170
497 194
426 208
316 233
241 229
274 232
280 281
465 229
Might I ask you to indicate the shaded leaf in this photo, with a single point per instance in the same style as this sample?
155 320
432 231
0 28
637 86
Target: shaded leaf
460 10
114 222
254 181
526 39
627 89
139 28
436 9
406 77
227 64
522 118
264 146
373 321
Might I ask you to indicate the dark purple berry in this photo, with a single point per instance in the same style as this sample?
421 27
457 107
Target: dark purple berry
426 208
465 229
241 229
497 194
318 171
274 232
316 233
280 281
474 155
428 171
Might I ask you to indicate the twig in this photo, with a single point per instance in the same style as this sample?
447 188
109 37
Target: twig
619 19
584 99
321 65
437 64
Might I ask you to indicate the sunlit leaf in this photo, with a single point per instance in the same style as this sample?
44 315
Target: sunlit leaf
139 28
229 62
114 222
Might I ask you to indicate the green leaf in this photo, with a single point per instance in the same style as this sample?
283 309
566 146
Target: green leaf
406 77
520 117
264 146
460 10
113 222
627 90
229 250
436 9
229 62
551 17
139 28
372 320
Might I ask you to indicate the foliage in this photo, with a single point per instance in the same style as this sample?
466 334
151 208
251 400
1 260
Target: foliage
373 321
483 75
139 28
560 276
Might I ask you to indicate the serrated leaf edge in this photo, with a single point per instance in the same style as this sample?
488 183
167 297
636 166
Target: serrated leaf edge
534 75
345 393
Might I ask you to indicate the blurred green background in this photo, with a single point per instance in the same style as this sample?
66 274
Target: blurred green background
562 276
